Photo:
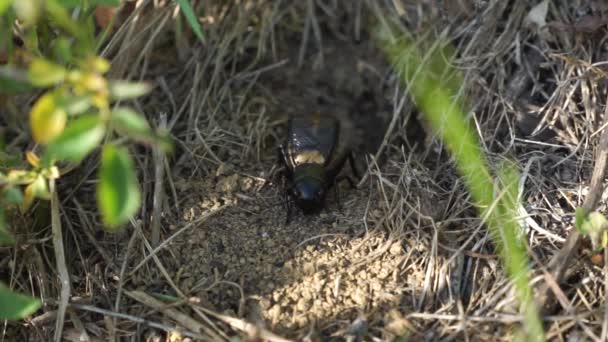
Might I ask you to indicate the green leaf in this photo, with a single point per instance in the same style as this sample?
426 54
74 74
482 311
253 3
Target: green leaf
13 86
75 105
130 123
80 137
69 4
14 306
134 125
43 73
580 217
118 194
47 119
594 223
5 236
114 3
20 177
97 64
40 188
191 18
12 195
122 90
4 5
62 50
61 17
31 41
28 199
28 11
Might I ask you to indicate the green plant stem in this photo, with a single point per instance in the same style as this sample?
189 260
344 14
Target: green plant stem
433 86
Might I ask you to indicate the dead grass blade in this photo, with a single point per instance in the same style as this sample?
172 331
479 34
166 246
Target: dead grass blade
62 270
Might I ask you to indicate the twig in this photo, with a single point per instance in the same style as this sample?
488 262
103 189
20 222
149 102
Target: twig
604 335
163 270
179 317
121 281
62 270
136 320
503 318
562 259
305 36
260 71
200 220
250 329
159 163
188 321
320 236
316 30
88 228
81 330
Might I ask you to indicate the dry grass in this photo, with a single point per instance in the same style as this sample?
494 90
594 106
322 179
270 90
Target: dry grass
406 255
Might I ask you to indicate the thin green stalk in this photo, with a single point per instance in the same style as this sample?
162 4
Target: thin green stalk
434 87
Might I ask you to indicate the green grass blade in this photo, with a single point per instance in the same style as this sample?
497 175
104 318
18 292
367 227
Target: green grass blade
434 84
191 18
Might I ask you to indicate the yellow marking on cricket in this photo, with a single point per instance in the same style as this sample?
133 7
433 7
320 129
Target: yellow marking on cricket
309 157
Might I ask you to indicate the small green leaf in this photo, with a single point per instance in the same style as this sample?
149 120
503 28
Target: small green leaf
47 119
191 18
4 5
8 85
130 123
97 64
28 11
14 306
28 198
118 191
43 73
40 188
122 90
580 216
20 177
594 223
5 236
114 3
12 195
31 41
80 137
69 4
75 105
62 50
61 17
134 125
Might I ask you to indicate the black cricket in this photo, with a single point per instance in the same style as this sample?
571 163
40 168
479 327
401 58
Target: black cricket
313 156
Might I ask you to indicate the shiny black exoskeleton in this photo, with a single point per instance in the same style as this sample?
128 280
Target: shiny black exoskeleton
313 155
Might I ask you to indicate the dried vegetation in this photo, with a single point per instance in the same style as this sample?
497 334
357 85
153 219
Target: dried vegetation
403 255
